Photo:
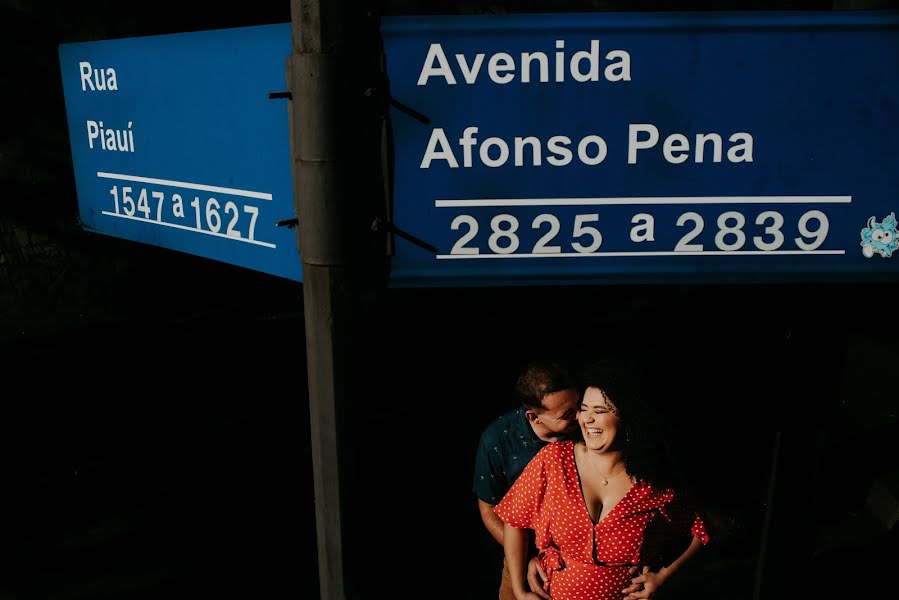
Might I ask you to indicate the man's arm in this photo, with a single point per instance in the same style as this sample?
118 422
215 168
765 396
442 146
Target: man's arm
491 521
535 574
515 548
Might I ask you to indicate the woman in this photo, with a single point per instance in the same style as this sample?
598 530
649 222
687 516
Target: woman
602 510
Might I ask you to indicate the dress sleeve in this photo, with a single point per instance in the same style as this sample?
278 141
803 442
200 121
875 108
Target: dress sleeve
521 505
684 519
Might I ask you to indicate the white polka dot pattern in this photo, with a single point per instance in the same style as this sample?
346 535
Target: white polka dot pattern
595 560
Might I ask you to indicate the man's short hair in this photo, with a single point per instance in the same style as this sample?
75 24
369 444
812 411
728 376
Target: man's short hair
540 378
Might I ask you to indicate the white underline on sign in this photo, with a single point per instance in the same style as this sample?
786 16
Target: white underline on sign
185 228
668 253
647 200
187 185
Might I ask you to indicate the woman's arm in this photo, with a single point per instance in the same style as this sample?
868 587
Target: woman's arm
515 545
648 583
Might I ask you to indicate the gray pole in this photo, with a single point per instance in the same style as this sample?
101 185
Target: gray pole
318 80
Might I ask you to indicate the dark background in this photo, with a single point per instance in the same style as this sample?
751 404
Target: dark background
154 414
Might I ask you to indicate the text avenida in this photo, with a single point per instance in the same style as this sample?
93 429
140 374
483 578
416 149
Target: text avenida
585 65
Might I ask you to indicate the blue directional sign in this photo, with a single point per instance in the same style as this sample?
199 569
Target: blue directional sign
175 143
645 147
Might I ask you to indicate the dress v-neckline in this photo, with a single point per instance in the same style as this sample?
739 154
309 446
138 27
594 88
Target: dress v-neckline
580 485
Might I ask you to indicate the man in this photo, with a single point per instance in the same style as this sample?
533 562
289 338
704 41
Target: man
549 400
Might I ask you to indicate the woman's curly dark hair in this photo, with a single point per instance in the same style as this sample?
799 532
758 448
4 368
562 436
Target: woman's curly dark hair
646 447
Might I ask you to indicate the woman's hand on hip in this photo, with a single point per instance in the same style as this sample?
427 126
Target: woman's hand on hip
645 585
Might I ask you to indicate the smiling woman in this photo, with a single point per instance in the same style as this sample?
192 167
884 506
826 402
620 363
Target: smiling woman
605 528
599 421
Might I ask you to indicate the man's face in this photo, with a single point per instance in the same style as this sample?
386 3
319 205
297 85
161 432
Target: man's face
560 411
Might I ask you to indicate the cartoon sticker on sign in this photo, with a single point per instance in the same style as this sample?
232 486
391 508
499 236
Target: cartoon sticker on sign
881 238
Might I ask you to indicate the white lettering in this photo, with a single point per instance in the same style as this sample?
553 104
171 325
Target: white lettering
97 79
676 143
445 152
110 140
178 206
467 141
93 131
633 145
534 143
584 65
744 147
592 58
503 152
557 145
119 140
528 151
676 147
643 229
560 61
602 150
501 62
701 139
470 74
527 58
86 82
623 66
435 52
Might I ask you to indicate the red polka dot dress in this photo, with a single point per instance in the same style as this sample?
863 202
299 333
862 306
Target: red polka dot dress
583 561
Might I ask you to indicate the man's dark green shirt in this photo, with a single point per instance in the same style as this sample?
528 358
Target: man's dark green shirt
506 447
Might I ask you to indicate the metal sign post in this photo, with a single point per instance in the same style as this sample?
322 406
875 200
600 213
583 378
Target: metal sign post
326 197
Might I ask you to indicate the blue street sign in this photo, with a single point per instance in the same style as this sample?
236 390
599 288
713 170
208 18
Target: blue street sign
645 147
176 144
